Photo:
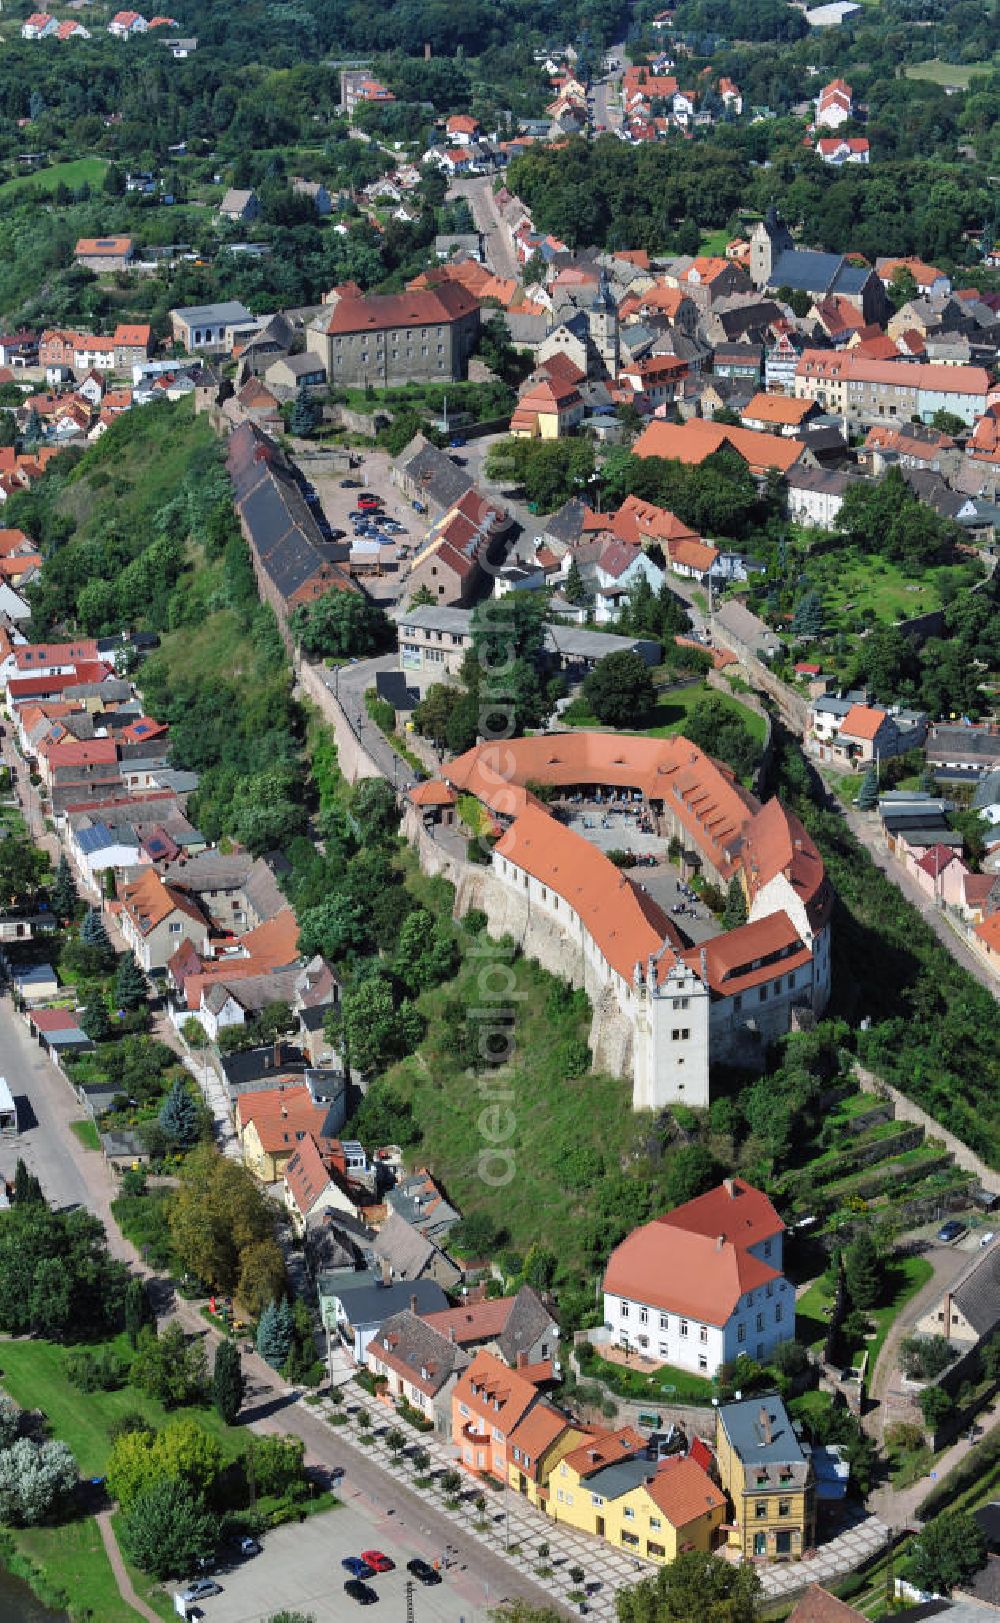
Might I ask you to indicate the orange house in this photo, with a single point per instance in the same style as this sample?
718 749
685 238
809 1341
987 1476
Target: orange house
488 1404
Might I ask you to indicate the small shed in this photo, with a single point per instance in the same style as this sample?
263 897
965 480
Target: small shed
124 1149
35 982
59 1032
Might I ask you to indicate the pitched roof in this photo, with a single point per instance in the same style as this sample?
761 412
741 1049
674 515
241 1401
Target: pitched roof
103 247
862 721
535 1434
409 1344
988 931
605 1448
696 1260
683 1490
432 793
474 1321
379 312
528 1319
695 441
495 1394
306 1175
283 1117
148 901
777 408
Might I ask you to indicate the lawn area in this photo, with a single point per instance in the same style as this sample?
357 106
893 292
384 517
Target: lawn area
946 73
86 1132
33 1373
73 1559
570 1131
855 587
77 172
906 1276
673 706
668 1383
715 243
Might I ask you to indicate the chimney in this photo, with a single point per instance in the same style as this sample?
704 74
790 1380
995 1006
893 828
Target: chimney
720 1241
386 1272
413 1304
451 1334
764 1421
522 1359
704 966
730 1188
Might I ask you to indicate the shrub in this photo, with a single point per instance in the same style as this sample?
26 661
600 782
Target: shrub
923 1358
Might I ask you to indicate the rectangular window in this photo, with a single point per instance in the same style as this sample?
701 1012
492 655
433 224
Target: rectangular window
784 1507
760 1321
741 1332
664 1321
760 1510
624 1312
703 1332
777 1313
684 1327
643 1316
702 1361
629 1513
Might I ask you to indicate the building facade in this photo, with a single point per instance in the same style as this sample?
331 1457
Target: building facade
380 339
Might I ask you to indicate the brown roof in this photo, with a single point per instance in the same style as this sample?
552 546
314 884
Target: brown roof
496 1395
476 1321
378 312
306 1175
819 1606
98 247
679 1272
777 408
283 1117
148 901
432 793
735 1208
683 1490
606 1448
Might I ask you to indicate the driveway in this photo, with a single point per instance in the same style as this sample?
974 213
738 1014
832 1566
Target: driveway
884 1388
349 684
478 193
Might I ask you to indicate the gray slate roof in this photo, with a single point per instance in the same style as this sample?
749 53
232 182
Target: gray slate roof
424 1350
528 1319
441 480
366 1301
977 1294
761 1433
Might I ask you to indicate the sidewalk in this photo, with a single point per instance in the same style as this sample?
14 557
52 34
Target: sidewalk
515 1528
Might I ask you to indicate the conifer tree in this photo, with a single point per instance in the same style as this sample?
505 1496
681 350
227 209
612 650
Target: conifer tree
227 1381
130 984
867 797
179 1116
64 896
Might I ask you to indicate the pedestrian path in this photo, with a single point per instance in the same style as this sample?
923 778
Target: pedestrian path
122 1578
516 1530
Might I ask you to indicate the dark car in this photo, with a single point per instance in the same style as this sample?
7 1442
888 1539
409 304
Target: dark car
249 1546
364 1594
350 484
950 1231
423 1571
356 1567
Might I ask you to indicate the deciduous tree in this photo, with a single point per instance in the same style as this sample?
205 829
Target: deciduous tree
167 1530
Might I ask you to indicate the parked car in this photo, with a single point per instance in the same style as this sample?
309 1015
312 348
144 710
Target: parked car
986 1239
423 1571
357 1567
364 1594
951 1231
337 1473
249 1546
201 1589
350 484
367 502
377 1561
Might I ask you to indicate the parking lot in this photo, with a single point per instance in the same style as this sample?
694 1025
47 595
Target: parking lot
299 1570
338 503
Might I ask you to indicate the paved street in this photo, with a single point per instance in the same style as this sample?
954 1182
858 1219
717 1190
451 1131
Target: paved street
349 684
478 193
46 1106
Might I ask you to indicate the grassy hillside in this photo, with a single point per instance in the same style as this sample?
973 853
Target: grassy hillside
77 172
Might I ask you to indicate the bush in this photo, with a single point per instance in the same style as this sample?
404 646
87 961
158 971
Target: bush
923 1358
168 1531
102 1371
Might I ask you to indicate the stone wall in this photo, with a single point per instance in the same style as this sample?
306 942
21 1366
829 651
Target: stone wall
794 706
906 1110
717 680
353 758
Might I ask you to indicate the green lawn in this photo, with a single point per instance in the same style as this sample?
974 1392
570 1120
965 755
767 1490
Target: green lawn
946 73
715 242
77 172
86 1132
667 1384
812 1315
74 1561
907 1275
673 706
33 1373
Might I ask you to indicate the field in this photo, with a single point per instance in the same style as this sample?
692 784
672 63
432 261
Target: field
74 1561
79 172
715 243
33 1372
946 73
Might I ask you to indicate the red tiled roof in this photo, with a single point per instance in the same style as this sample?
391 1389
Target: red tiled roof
683 1490
378 312
862 721
695 441
283 1117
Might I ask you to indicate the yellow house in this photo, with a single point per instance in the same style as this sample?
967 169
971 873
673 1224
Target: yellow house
273 1123
654 1509
535 1448
769 1481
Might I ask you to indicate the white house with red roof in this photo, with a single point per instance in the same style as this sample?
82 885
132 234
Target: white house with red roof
703 1284
39 26
620 568
461 129
834 105
126 24
841 149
